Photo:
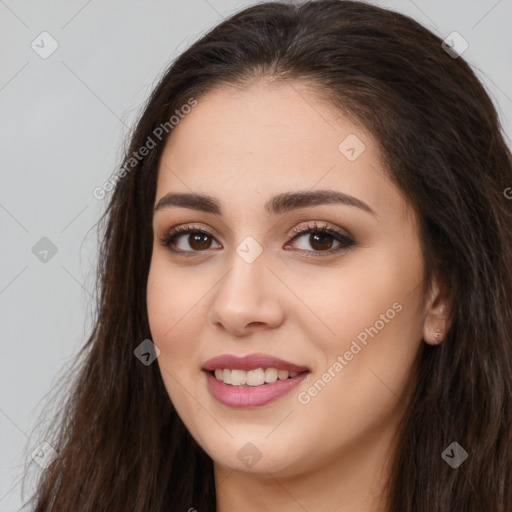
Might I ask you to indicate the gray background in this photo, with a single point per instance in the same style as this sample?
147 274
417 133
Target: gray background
64 119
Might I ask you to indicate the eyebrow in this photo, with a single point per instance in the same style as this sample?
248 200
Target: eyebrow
277 205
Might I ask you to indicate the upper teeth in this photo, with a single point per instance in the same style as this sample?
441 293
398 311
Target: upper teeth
252 377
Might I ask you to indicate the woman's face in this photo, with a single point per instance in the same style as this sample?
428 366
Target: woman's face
340 308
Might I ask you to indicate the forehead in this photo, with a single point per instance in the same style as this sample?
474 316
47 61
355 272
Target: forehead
269 139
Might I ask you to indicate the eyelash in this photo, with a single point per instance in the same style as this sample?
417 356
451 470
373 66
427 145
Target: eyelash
339 236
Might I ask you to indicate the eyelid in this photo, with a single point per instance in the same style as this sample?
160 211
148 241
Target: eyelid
323 226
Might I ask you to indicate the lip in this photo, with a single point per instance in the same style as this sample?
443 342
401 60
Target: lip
251 396
251 362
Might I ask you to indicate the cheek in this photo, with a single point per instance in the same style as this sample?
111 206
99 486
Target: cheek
360 295
371 309
160 302
171 293
174 306
362 393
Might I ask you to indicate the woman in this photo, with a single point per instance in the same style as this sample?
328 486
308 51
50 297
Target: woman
305 286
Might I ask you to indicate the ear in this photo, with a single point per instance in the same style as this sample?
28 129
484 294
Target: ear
437 322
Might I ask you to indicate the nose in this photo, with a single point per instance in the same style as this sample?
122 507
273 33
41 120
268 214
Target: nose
247 298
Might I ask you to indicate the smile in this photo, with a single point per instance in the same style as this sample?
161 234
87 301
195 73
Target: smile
252 380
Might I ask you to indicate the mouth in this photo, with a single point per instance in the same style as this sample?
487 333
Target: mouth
253 380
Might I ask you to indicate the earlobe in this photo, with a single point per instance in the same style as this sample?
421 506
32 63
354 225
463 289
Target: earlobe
436 323
434 338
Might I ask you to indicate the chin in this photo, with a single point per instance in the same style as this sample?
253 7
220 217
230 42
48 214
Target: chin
255 457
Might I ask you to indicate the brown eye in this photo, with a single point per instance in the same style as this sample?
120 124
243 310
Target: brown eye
321 240
199 241
188 240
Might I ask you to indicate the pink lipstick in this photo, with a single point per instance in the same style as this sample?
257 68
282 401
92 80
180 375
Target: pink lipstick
253 380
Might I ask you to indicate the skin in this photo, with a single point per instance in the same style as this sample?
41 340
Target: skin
243 148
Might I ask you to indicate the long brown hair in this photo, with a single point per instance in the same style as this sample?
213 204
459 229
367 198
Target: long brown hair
120 443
